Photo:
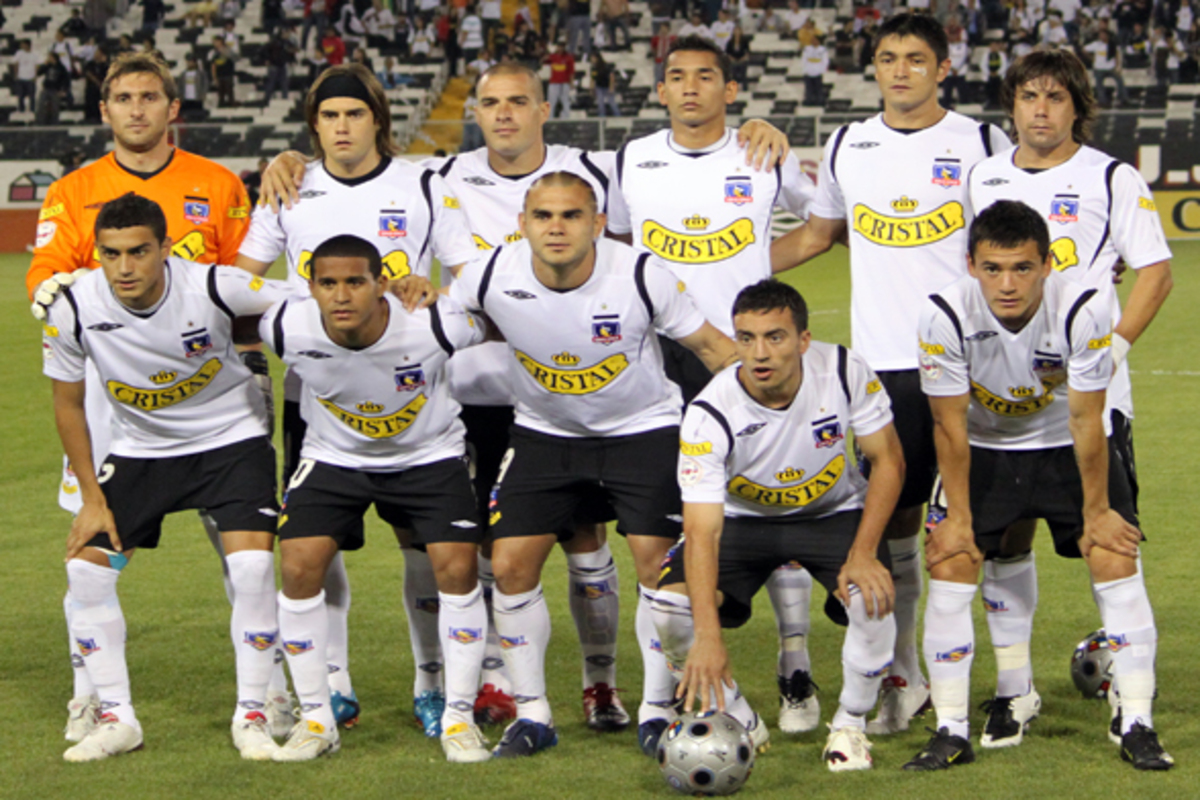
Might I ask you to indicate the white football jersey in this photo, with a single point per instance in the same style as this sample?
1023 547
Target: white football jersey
383 408
585 362
171 375
491 202
765 462
1098 209
1018 401
903 195
408 213
704 213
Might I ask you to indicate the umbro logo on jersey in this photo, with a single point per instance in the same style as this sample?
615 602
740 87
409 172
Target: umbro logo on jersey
864 145
652 164
995 181
314 354
105 327
520 294
309 194
751 429
475 180
979 336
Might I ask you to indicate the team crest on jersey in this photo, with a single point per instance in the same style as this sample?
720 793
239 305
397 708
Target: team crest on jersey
947 172
1118 642
827 432
195 210
409 379
606 329
739 190
1064 208
196 343
393 224
1044 363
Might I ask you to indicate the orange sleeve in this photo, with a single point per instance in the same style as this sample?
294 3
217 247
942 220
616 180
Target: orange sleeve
58 243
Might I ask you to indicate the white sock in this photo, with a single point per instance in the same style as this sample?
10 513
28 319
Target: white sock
949 651
658 682
304 628
1010 596
595 607
337 646
83 684
253 626
866 655
906 575
421 605
1133 641
790 590
493 671
523 623
98 627
463 621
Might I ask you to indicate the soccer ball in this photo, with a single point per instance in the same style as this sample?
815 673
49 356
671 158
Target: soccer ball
707 753
1092 667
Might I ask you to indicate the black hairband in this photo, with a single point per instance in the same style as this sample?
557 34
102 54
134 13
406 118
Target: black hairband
342 86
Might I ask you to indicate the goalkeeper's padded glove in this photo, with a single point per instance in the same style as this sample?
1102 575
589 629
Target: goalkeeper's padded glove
47 291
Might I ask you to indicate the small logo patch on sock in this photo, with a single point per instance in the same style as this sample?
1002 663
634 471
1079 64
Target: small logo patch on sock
260 640
296 647
87 646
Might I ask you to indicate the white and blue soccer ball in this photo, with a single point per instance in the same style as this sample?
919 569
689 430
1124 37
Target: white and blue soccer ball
1092 666
707 753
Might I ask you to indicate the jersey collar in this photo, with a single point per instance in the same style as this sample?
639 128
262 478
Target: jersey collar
690 153
384 163
145 175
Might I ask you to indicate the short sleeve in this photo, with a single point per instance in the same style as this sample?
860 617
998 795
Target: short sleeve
1090 366
465 288
829 202
63 356
944 368
452 242
703 450
244 293
1134 222
675 315
870 406
265 241
796 190
461 327
618 210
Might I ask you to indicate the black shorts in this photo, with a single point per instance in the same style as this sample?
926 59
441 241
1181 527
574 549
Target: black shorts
914 426
487 441
234 484
549 482
434 501
754 547
1010 485
684 368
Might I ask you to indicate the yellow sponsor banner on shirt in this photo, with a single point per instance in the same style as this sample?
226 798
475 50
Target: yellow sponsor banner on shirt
892 231
797 496
378 427
1009 408
154 399
574 381
698 248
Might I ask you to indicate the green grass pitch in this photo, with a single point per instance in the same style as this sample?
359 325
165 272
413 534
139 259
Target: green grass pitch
182 669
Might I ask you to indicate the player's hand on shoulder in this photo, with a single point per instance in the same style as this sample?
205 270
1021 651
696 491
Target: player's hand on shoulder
1110 531
415 292
952 536
281 180
707 668
47 292
766 146
873 579
92 519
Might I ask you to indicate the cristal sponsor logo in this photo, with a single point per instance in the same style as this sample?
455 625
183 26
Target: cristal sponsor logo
256 283
1101 343
1063 253
1147 204
238 212
874 387
154 399
574 381
909 232
694 448
565 358
163 376
789 475
1021 391
955 655
480 242
260 640
704 248
378 427
696 222
1009 408
790 496
905 204
449 202
369 407
931 349
52 211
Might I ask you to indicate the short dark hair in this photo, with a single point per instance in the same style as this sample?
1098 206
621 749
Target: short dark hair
348 246
698 44
923 26
1064 67
1009 223
563 178
769 295
132 211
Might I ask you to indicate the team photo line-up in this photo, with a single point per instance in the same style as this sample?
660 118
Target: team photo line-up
608 344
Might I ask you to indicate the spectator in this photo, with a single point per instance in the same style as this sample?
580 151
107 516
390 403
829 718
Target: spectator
1068 11
448 36
124 44
808 33
74 27
866 43
696 27
816 62
1167 54
527 46
993 64
1137 48
94 71
232 40
25 67
193 88
230 10
524 14
615 14
1184 18
315 16
272 14
738 51
482 63
350 27
201 14
845 48
423 37
959 54
722 29
56 81
85 51
66 56
402 33
1106 64
278 54
153 12
334 47
491 14
579 28
1054 32
359 56
795 17
221 65
547 18
604 85
562 73
96 14
317 62
660 45
470 35
149 48
392 76
472 136
771 22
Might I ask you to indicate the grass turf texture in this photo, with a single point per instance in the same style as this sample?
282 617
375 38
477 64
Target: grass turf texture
182 669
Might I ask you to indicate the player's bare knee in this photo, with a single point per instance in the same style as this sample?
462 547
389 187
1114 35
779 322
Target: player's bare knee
1105 565
958 569
454 567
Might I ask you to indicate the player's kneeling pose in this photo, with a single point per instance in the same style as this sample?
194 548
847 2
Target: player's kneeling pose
189 432
765 480
382 429
996 348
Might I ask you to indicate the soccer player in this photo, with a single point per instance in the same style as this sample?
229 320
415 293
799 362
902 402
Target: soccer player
685 195
382 429
996 348
765 480
358 186
896 184
189 431
1100 212
207 215
596 418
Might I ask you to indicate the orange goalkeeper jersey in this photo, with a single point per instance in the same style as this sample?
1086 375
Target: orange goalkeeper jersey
205 204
